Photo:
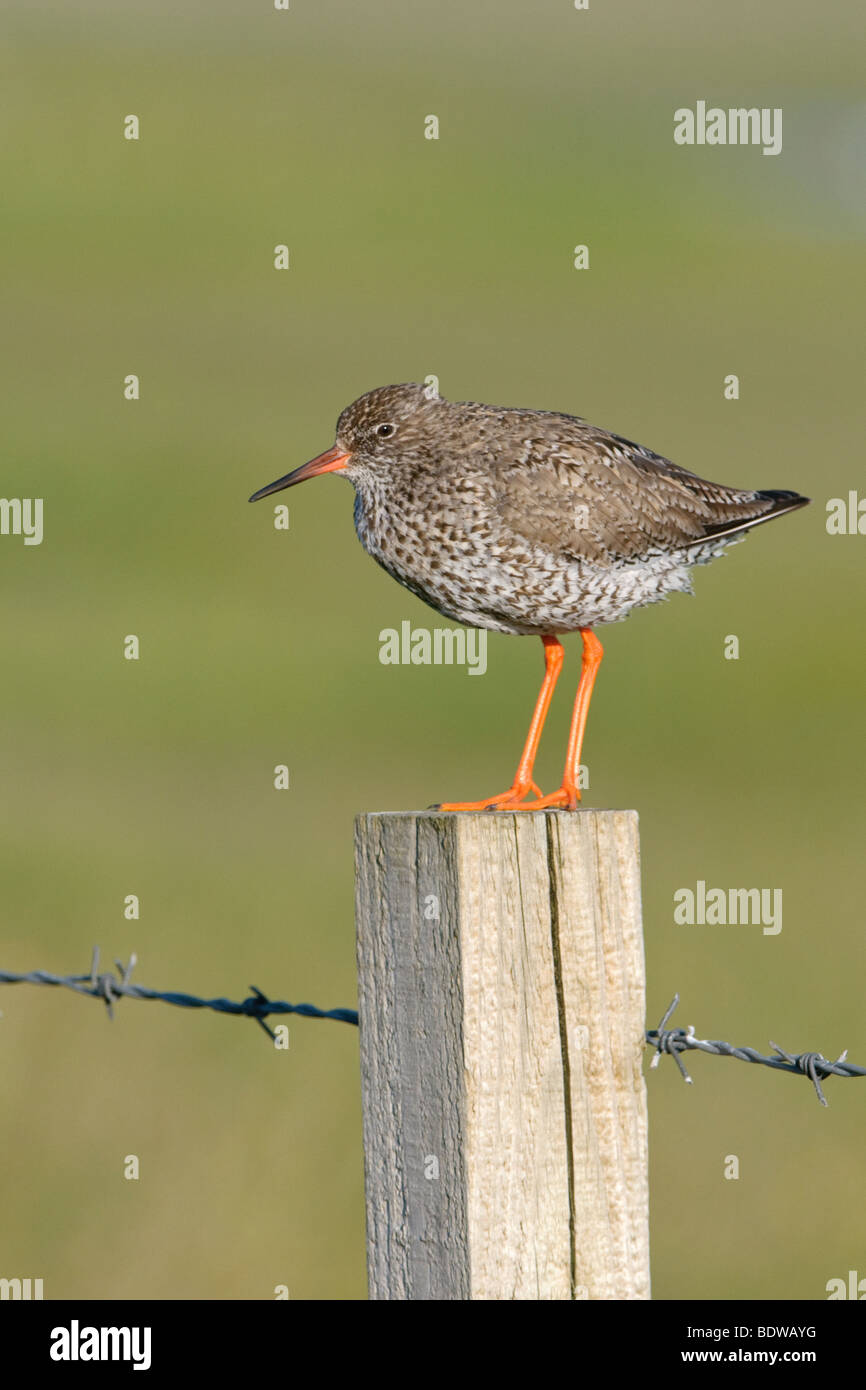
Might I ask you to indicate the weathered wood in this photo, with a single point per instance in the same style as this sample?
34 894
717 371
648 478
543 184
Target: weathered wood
501 997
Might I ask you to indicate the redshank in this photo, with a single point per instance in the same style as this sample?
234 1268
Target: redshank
527 522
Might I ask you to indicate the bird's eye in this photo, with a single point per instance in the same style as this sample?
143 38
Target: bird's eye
384 430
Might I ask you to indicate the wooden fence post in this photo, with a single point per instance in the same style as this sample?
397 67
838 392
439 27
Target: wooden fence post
501 998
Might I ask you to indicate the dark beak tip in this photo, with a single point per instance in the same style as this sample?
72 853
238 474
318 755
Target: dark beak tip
269 489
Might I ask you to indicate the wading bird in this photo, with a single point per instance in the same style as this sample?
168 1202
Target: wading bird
531 523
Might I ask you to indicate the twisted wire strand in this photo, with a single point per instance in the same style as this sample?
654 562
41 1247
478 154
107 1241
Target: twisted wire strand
109 987
665 1042
674 1041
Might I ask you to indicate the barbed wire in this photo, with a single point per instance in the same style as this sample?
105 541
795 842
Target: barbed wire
664 1041
673 1041
109 987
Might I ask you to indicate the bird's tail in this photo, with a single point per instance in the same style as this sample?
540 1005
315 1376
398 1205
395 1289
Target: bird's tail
775 503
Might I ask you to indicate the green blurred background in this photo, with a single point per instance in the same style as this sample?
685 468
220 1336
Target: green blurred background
258 647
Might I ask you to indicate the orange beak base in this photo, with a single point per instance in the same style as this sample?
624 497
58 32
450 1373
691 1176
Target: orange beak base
329 462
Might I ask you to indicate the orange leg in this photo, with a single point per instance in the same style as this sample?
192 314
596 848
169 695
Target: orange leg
569 794
523 783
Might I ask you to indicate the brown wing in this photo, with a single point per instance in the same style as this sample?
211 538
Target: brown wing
599 497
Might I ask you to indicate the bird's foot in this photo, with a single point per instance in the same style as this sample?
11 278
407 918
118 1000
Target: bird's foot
567 798
510 800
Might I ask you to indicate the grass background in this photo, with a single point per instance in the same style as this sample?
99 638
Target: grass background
153 777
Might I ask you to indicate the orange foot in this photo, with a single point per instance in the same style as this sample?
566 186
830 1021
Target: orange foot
505 801
566 799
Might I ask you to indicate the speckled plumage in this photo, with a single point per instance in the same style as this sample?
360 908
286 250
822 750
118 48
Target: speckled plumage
529 521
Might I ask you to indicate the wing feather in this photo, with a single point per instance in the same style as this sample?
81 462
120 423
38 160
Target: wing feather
590 495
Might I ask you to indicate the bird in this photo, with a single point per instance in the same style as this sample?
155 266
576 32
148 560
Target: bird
530 523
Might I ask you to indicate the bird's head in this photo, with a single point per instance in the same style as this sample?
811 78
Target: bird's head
383 428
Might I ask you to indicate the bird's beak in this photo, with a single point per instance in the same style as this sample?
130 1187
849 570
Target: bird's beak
329 462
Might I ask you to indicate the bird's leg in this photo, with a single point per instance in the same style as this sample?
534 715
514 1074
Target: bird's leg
523 783
569 793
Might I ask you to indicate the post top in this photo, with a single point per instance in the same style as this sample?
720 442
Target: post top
430 813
